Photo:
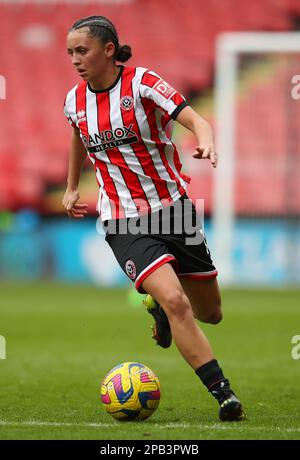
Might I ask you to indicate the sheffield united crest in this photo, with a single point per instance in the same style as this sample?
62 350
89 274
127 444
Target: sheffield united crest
126 102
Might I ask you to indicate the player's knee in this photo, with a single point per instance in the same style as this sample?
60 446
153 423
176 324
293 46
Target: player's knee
216 317
212 313
213 317
176 304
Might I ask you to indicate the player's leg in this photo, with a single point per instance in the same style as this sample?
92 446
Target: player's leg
204 296
205 299
147 261
164 286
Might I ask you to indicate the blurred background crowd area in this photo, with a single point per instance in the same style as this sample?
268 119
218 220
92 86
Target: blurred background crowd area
177 39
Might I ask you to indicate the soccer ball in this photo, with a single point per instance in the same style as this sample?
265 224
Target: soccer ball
130 391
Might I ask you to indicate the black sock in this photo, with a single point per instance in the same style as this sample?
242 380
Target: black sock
211 375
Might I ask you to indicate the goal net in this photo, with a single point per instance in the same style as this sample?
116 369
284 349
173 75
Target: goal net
257 183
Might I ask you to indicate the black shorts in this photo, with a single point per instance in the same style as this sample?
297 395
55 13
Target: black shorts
173 234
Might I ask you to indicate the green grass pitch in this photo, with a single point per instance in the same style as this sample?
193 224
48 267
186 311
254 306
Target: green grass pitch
62 340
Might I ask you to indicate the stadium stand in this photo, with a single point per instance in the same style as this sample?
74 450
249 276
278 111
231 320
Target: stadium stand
177 41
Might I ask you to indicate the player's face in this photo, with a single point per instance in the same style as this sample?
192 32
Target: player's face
89 56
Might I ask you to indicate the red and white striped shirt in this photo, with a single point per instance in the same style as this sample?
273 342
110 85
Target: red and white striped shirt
124 129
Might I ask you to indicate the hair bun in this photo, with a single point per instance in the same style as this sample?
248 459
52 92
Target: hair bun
123 54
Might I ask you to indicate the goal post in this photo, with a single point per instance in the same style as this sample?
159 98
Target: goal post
229 50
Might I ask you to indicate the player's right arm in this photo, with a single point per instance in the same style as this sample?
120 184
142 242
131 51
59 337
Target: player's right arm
77 158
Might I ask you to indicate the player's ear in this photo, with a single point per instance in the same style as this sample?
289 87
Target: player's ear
109 49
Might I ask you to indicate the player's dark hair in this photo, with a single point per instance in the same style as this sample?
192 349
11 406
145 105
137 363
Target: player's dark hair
103 29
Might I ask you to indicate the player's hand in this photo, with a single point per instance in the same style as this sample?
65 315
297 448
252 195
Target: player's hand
74 209
207 151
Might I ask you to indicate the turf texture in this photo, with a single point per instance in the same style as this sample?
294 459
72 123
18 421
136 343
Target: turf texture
62 340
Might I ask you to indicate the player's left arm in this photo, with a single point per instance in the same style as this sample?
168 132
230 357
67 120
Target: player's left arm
205 148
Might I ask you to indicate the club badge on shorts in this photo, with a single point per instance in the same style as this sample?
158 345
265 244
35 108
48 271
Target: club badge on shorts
126 103
130 269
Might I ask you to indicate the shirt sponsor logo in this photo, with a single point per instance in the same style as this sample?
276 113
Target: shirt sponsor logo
163 88
126 103
110 139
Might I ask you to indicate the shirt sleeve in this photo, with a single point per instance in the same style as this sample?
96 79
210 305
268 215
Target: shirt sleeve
153 87
68 115
70 107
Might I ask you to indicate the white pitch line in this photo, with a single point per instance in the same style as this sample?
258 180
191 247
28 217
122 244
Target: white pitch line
40 423
232 427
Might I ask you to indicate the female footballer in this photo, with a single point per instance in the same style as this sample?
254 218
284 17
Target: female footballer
121 119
